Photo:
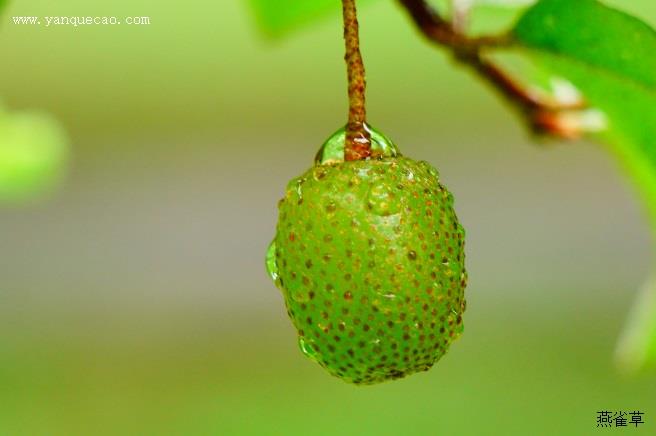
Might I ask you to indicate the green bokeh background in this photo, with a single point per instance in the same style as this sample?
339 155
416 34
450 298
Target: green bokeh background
136 301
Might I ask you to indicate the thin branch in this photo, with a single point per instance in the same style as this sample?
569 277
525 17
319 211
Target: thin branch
542 115
358 142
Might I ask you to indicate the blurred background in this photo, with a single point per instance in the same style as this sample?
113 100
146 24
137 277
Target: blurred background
135 300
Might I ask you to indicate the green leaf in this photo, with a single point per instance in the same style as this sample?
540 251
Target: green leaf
609 56
592 34
637 345
34 151
276 17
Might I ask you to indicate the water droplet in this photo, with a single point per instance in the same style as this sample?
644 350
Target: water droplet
307 348
294 192
381 201
299 189
411 176
332 151
430 169
271 264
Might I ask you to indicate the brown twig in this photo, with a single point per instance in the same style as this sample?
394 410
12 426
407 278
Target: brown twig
358 142
541 114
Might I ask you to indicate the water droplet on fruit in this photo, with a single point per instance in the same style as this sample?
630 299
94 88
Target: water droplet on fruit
411 176
430 169
271 264
332 151
299 189
381 201
294 192
307 348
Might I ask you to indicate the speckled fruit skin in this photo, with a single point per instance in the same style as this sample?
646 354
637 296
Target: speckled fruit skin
370 260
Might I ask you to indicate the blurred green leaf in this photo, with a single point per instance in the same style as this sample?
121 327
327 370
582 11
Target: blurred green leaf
494 17
637 345
277 17
33 154
609 56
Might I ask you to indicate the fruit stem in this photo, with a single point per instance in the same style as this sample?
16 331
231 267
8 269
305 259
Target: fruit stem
358 140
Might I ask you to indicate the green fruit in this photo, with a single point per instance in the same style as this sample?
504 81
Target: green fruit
369 256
